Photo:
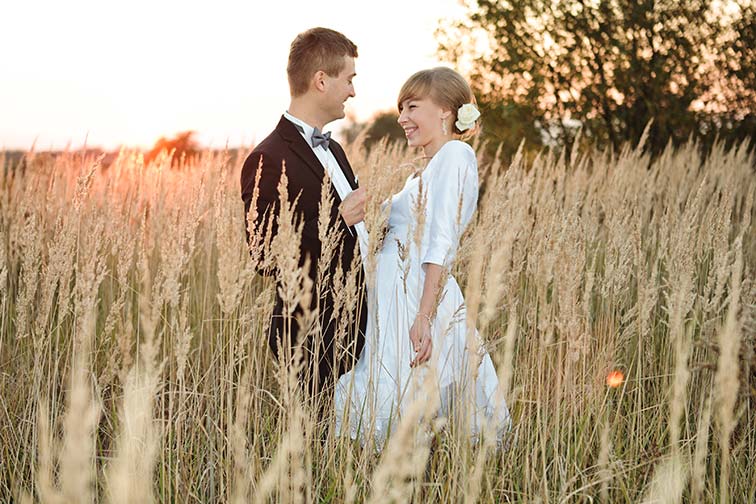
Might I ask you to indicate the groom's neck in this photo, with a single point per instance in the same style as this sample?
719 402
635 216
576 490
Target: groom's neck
306 110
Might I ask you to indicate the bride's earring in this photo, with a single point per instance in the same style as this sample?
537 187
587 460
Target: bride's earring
443 127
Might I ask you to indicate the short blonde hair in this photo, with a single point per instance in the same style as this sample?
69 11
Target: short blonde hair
445 87
316 49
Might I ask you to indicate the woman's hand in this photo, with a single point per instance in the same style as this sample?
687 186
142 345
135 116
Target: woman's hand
420 336
420 332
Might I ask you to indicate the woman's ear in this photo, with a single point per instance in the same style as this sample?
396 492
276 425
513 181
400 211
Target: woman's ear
445 114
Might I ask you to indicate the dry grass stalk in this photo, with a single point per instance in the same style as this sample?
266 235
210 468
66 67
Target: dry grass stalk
701 453
404 458
137 443
605 473
45 482
728 367
30 252
243 466
138 438
77 466
604 249
234 270
285 477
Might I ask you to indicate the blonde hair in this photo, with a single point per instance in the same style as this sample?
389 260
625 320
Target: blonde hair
316 49
445 87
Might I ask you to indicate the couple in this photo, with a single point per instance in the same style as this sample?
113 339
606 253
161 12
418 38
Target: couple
413 329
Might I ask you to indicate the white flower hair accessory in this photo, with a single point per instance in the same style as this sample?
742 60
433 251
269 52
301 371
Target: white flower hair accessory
466 116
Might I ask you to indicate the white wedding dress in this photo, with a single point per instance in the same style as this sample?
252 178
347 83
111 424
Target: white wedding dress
369 400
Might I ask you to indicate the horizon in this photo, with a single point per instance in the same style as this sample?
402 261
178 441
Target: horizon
96 75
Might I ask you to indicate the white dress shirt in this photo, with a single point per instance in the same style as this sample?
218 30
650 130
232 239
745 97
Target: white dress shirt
335 173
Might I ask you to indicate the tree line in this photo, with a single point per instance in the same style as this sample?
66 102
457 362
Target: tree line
545 71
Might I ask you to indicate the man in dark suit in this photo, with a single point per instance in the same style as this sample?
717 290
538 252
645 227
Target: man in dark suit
320 72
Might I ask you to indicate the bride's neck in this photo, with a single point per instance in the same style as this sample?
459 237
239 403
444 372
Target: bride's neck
431 148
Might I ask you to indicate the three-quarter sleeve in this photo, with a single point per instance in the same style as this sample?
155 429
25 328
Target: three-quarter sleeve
452 196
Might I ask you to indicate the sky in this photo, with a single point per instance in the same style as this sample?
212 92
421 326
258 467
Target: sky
125 73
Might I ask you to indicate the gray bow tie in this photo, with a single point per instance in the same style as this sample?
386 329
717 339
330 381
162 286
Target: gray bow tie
319 138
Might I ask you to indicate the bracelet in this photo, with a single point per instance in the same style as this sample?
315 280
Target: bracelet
427 317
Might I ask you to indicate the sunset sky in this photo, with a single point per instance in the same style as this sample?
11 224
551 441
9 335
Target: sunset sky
128 72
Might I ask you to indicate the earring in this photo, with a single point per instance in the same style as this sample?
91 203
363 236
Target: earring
443 127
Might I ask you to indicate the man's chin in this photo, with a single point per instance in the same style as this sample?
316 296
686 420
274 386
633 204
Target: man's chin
335 116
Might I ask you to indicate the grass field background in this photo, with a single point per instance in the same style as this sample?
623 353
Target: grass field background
134 365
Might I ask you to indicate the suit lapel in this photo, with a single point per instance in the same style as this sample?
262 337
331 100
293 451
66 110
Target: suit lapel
299 146
341 158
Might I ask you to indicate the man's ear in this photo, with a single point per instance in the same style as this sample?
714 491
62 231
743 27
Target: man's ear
319 81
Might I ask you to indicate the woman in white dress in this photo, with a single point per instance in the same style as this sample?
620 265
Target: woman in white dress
416 322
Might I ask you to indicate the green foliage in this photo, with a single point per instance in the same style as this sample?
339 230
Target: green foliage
615 65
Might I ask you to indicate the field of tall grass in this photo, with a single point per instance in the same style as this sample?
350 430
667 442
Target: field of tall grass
134 364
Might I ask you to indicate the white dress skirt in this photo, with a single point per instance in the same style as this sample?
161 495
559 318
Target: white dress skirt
369 400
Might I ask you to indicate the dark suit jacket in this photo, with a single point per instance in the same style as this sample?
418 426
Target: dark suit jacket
305 175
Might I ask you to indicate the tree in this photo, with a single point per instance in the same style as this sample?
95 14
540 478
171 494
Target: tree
613 65
381 125
183 146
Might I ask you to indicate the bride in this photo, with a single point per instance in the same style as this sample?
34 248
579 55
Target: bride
416 322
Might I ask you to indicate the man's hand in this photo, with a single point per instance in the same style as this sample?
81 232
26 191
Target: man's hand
352 209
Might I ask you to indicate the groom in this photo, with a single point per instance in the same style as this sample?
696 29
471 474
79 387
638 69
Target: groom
320 72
